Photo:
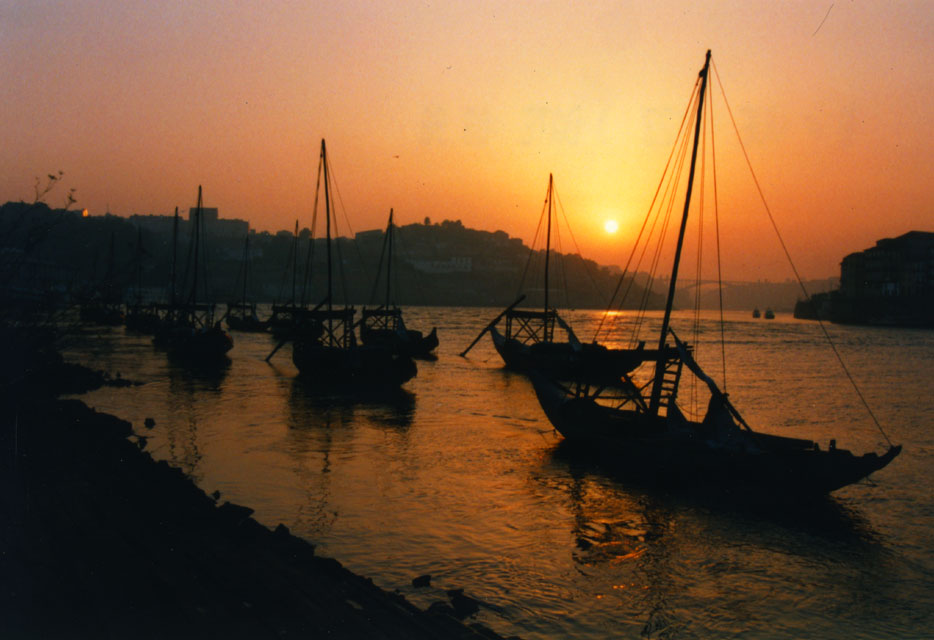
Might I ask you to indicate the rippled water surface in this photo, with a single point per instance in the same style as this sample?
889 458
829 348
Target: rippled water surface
461 476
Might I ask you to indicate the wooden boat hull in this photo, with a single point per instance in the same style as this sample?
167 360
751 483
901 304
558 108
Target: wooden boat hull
562 360
412 343
106 315
246 324
142 320
650 449
361 366
195 345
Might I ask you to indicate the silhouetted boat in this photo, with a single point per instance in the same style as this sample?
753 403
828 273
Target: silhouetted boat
293 318
384 324
334 357
528 342
188 329
528 339
756 313
143 318
102 305
140 316
241 314
638 427
95 311
769 314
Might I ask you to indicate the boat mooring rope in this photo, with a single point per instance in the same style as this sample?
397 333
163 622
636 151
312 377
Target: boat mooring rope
781 241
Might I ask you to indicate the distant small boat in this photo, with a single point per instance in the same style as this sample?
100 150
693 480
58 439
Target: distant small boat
527 341
295 318
102 313
769 314
241 314
384 324
139 316
102 306
333 356
188 329
755 313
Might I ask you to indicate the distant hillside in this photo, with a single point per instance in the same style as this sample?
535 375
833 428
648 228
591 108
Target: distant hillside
435 264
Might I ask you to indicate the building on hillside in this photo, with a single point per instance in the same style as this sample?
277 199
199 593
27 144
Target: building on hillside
902 266
221 228
451 265
891 283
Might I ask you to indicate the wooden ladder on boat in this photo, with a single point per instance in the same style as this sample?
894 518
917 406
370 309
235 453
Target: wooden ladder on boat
671 377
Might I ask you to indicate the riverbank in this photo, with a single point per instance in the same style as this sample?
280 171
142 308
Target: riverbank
101 541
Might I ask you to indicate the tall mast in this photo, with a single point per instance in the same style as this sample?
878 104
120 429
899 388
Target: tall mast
660 363
310 257
139 265
108 277
547 251
294 261
246 260
327 225
197 238
389 260
174 257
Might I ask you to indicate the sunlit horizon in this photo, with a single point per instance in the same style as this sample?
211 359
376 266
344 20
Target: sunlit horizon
460 113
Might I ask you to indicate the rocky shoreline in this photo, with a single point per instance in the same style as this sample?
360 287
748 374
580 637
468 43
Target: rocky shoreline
99 540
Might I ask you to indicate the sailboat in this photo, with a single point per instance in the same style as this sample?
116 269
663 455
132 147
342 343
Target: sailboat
102 305
188 329
384 324
140 316
528 343
638 427
331 355
241 314
291 318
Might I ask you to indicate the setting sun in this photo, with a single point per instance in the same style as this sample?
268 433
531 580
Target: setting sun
610 226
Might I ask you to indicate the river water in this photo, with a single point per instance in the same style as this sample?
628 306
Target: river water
461 476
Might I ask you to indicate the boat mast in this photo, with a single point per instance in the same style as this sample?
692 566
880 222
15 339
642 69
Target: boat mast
139 266
108 278
655 400
294 261
327 226
545 324
174 258
193 299
246 259
389 258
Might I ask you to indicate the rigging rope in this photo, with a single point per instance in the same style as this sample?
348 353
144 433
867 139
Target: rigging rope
335 235
567 224
557 256
285 273
781 241
670 193
645 221
699 258
379 267
309 262
404 250
716 219
528 261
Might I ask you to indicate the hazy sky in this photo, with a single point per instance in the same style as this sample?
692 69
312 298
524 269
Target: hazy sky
459 110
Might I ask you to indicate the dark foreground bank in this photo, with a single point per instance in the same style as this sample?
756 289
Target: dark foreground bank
98 540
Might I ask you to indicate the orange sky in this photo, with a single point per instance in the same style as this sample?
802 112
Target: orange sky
459 110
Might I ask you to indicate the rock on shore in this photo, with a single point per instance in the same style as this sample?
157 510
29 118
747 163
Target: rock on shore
100 541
